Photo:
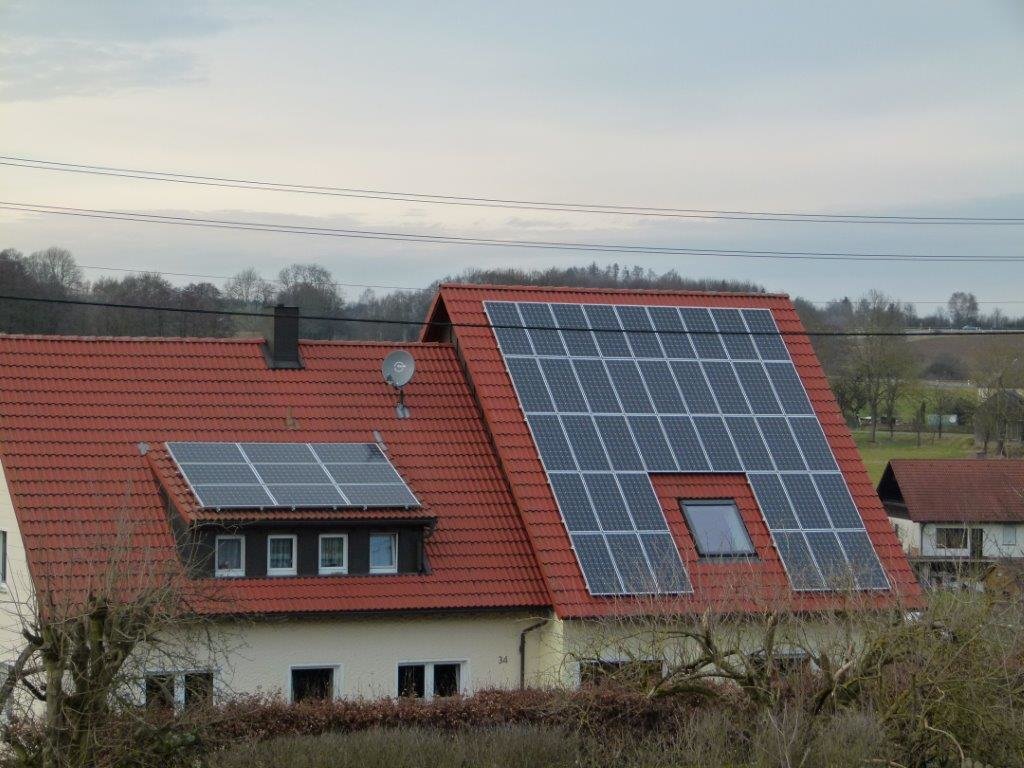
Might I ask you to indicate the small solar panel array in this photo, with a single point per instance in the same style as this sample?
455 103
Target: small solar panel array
614 393
291 475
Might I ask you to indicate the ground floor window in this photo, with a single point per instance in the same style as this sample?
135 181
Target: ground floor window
177 690
429 679
951 538
632 674
313 683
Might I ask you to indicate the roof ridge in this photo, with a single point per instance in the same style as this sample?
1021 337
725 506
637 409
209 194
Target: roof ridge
215 340
598 290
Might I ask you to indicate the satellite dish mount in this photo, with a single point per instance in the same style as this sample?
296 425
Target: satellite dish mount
398 368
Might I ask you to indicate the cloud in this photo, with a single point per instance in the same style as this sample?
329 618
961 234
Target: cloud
38 70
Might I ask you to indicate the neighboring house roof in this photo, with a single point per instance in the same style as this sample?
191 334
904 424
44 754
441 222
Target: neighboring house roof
462 307
955 490
72 411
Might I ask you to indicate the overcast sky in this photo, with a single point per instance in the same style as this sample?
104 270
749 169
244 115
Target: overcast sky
857 107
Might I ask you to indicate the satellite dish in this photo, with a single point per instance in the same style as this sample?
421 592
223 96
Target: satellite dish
398 368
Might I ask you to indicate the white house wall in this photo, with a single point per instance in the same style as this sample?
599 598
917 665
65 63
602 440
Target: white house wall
16 593
993 545
257 657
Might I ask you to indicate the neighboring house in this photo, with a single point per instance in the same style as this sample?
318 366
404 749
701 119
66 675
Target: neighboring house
956 517
566 455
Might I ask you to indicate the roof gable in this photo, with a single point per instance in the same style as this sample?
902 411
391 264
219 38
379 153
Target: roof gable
486 366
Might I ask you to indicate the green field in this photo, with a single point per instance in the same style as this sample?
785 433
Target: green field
904 446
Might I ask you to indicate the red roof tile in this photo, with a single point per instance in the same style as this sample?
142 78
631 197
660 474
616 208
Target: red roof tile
957 490
72 411
463 305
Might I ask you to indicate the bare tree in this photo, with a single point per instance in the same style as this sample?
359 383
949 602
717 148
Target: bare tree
78 682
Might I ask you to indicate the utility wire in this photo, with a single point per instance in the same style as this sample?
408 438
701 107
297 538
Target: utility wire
487 202
508 326
490 242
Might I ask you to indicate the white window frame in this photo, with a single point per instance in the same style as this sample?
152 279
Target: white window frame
336 683
1008 538
967 537
178 682
294 569
393 568
428 675
333 569
228 573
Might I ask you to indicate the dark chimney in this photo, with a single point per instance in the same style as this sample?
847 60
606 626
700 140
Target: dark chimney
282 348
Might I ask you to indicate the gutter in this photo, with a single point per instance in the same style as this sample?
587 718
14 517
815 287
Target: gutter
522 651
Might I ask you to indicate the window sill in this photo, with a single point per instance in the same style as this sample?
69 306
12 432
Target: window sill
333 572
279 573
229 574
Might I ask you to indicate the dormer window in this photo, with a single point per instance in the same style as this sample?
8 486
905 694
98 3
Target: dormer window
383 553
281 555
333 553
229 556
717 529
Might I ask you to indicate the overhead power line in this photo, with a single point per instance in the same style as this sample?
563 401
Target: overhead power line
490 202
503 326
362 234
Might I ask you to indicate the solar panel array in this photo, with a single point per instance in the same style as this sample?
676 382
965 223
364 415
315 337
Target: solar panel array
262 475
614 393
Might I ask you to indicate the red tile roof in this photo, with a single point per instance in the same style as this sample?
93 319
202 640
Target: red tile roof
956 490
463 305
72 411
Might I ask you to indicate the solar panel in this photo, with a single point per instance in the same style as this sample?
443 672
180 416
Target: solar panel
565 390
813 444
619 443
525 371
789 388
629 386
608 503
585 444
291 453
596 563
597 387
735 338
578 342
672 334
610 339
694 387
705 337
654 448
538 317
765 334
739 407
724 384
510 335
268 475
749 443
220 474
631 561
574 502
661 386
682 438
362 473
271 474
717 444
382 495
645 343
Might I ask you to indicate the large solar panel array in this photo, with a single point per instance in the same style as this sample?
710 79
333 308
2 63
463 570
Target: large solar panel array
262 475
614 393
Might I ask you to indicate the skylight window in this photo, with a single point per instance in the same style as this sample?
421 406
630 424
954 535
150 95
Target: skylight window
717 529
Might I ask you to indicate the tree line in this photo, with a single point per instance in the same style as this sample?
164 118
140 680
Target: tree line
875 378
